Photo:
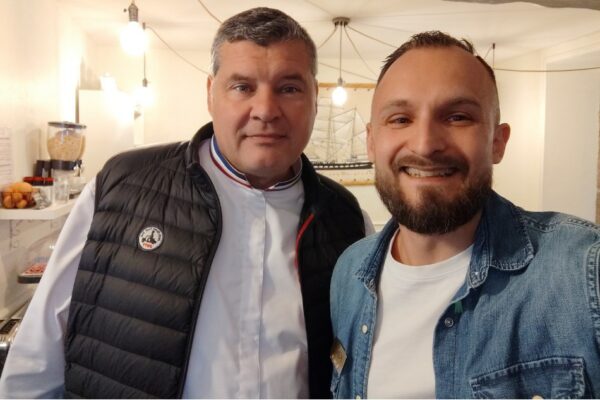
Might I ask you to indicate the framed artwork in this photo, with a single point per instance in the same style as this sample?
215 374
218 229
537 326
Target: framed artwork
338 145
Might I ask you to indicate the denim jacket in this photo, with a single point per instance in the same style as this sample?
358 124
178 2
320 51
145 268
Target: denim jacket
525 322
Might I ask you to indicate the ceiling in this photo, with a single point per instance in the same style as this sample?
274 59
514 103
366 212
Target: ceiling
516 27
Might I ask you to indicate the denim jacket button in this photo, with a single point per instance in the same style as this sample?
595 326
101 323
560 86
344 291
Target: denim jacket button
364 328
449 322
537 397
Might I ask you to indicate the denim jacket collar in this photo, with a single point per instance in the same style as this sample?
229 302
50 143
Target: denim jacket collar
505 246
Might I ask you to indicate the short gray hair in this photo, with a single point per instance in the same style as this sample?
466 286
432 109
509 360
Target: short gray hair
262 26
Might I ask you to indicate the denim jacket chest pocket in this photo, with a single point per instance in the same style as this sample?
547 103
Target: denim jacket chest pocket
553 377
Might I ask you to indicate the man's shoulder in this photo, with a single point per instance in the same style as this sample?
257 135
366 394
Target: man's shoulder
357 254
552 223
509 221
337 189
140 163
147 155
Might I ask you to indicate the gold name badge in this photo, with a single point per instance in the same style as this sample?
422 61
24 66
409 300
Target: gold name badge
337 355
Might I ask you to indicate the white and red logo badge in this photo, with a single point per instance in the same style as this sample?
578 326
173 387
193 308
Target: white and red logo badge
150 238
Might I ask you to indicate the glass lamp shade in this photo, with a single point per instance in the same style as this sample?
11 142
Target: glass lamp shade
339 96
133 39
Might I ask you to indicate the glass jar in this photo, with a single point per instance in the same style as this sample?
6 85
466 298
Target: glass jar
65 140
43 190
61 189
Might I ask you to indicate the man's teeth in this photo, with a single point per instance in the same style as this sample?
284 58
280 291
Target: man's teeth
419 173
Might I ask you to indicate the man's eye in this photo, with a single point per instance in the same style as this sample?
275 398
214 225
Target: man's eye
290 89
399 120
241 88
458 118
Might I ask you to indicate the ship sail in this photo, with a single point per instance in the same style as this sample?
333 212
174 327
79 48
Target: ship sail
338 139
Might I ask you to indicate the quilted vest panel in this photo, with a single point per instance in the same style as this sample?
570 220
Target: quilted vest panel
132 310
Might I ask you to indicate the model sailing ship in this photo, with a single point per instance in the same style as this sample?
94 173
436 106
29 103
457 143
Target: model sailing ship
339 139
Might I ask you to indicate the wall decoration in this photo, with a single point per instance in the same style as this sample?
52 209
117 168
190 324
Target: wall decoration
338 147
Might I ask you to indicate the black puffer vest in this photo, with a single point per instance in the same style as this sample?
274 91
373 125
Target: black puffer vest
133 312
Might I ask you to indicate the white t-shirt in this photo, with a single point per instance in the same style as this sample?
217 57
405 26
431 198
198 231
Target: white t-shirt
410 302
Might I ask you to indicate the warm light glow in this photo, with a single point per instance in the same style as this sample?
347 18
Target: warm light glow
339 96
108 83
143 96
133 39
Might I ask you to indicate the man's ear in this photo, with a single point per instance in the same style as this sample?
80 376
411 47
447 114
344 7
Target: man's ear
501 136
209 83
370 143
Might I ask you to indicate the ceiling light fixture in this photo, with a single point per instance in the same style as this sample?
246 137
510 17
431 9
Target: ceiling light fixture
133 36
339 95
143 95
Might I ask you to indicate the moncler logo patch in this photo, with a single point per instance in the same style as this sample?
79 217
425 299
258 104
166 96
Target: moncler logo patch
150 238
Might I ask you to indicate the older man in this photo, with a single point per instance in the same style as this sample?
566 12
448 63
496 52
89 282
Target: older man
462 294
207 264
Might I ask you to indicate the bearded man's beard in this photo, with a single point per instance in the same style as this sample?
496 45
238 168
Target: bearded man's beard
434 212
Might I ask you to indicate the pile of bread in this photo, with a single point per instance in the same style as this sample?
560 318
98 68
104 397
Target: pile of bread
18 195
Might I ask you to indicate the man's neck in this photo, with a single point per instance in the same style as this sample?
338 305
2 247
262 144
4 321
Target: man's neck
412 248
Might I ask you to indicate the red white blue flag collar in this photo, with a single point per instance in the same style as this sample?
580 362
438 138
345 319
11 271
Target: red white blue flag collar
229 170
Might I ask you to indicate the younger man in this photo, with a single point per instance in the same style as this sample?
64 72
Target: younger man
463 294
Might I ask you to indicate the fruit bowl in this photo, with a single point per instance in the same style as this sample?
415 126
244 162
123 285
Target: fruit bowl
18 195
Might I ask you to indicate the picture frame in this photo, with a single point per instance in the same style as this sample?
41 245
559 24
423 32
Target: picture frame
338 147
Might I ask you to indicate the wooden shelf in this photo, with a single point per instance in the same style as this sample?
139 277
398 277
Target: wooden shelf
52 212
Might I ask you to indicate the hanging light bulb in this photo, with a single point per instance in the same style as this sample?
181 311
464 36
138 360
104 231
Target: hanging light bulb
143 96
339 94
133 36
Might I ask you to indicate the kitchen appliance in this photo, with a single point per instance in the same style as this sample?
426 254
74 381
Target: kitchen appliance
8 330
66 144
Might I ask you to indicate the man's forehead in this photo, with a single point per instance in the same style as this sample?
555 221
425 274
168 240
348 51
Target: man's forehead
429 70
290 57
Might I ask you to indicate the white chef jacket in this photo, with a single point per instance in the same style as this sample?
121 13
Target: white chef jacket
250 339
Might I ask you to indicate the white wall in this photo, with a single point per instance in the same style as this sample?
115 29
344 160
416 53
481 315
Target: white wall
571 142
179 107
40 54
522 105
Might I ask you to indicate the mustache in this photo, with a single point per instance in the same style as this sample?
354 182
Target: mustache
433 161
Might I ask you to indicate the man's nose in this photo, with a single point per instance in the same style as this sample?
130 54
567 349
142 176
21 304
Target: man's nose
265 105
428 137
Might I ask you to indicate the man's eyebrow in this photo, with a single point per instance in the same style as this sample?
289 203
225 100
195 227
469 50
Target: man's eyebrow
395 104
460 101
456 101
238 77
294 78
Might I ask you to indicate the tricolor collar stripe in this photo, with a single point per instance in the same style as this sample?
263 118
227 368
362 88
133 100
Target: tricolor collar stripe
225 172
221 161
229 170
